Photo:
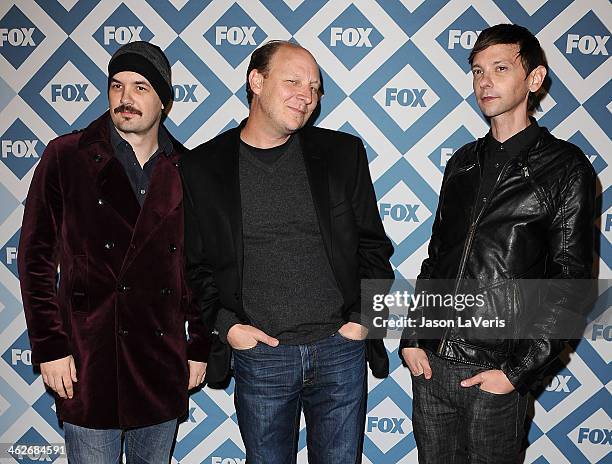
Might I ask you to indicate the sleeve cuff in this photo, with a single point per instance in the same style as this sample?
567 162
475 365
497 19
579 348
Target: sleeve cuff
225 320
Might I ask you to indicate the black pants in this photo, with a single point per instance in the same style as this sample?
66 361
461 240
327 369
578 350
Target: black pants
457 425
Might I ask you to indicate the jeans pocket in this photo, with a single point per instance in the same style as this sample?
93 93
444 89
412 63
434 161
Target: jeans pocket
236 350
498 396
346 339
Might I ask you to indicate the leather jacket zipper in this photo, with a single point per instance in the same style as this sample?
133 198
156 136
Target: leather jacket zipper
468 244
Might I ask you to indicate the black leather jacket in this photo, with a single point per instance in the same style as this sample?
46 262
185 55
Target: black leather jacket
536 224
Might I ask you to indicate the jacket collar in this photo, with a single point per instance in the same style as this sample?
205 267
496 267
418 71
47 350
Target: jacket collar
316 170
113 186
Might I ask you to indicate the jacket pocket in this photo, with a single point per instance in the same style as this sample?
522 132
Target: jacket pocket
79 297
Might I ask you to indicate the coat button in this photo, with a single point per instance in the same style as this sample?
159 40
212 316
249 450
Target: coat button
172 248
109 245
123 332
98 158
159 332
122 288
100 201
166 291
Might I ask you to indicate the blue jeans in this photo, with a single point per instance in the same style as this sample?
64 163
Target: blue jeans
459 425
143 445
327 379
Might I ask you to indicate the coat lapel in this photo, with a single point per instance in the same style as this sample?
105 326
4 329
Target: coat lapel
229 176
111 181
164 196
318 178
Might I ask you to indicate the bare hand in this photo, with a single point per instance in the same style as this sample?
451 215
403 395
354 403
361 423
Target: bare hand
59 375
417 361
492 381
197 371
243 337
353 331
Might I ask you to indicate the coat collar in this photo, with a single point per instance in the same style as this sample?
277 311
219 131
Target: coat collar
114 189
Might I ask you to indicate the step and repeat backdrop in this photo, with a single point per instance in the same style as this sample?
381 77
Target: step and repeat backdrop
396 74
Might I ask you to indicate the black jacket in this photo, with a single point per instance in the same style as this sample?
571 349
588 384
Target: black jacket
537 224
345 204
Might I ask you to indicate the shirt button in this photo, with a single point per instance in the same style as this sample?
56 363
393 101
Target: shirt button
123 332
109 245
159 332
143 191
166 291
496 165
484 199
97 158
122 288
172 248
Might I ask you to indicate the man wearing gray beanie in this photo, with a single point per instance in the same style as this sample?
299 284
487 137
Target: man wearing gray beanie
105 205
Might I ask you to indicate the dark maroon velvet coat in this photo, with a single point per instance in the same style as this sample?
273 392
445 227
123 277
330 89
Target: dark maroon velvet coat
121 305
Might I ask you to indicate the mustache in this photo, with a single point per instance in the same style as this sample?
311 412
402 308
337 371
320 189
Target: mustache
127 109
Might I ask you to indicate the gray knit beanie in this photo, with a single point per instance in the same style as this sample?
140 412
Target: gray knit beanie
147 60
